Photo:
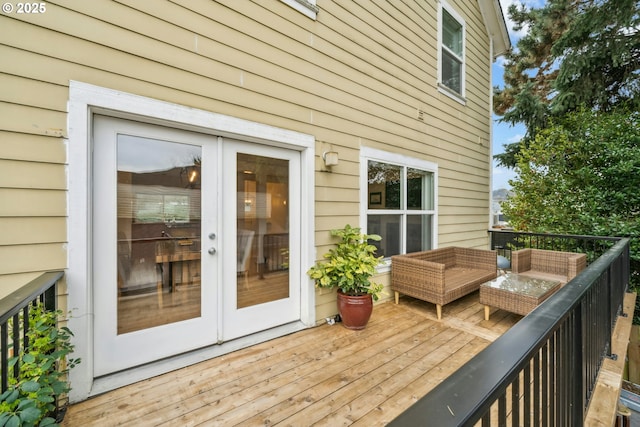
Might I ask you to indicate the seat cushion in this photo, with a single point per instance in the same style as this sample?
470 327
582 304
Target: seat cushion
462 281
456 277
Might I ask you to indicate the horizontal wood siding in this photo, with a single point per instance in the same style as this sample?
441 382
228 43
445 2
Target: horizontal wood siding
357 76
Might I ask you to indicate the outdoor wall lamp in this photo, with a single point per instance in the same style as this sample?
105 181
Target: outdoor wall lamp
330 158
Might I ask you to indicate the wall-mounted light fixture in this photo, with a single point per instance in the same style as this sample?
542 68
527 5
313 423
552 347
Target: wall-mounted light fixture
330 158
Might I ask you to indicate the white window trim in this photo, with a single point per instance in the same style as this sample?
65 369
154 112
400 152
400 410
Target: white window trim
366 154
306 7
86 99
442 88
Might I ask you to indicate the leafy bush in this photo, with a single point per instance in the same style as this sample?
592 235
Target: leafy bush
350 265
31 397
580 175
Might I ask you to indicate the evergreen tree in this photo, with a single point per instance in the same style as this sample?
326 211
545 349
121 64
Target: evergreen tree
600 56
576 53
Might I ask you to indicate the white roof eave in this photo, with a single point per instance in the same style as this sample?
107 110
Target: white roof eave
496 26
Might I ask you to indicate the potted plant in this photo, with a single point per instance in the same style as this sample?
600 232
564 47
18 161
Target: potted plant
349 267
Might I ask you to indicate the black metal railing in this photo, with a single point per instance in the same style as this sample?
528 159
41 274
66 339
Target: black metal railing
593 246
543 370
14 319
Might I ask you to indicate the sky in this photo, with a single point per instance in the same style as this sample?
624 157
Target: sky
502 132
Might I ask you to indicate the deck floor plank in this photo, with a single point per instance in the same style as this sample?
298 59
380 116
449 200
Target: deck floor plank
354 410
323 376
242 401
344 396
352 379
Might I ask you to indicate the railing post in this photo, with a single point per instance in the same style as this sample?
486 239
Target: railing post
4 341
16 337
579 370
50 300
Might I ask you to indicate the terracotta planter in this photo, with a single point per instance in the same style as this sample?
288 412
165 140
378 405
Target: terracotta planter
355 311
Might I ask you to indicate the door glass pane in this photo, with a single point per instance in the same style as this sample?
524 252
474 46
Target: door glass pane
158 232
262 229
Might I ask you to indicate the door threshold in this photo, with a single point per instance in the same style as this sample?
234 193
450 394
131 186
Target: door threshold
140 373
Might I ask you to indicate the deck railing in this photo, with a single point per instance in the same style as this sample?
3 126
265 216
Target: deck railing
505 242
14 319
544 369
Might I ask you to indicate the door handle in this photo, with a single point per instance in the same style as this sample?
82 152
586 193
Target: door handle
212 251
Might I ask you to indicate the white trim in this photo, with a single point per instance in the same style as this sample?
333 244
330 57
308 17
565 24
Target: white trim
84 100
496 26
442 88
400 159
491 178
366 154
306 7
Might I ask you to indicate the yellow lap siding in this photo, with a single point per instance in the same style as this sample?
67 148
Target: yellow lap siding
30 258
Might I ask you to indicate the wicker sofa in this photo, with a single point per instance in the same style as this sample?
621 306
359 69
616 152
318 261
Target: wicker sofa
440 276
551 265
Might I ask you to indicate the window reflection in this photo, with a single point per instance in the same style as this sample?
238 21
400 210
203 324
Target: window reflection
384 185
158 232
262 186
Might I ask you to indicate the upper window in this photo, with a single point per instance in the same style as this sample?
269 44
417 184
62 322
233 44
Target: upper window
306 7
451 50
400 200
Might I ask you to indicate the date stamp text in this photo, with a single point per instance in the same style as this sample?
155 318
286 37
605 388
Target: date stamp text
24 8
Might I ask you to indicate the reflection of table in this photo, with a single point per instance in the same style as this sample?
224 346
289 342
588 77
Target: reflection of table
516 293
189 270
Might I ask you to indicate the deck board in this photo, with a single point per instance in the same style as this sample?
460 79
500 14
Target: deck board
323 376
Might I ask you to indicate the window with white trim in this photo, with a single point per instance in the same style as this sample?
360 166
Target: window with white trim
400 199
451 49
306 7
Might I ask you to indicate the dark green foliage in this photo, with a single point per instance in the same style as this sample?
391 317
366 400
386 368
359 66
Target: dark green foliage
577 53
600 56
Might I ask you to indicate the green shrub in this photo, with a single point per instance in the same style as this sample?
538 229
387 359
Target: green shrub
350 265
31 397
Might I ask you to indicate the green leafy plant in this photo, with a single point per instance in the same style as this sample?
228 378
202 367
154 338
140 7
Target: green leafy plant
31 397
350 265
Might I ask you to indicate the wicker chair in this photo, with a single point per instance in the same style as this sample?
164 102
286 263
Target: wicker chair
551 265
440 276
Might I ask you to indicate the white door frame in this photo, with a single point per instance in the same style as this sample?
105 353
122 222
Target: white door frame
85 100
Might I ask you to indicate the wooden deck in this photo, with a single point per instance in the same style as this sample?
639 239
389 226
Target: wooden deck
326 375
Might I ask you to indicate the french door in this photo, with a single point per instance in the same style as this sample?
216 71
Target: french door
194 241
261 205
